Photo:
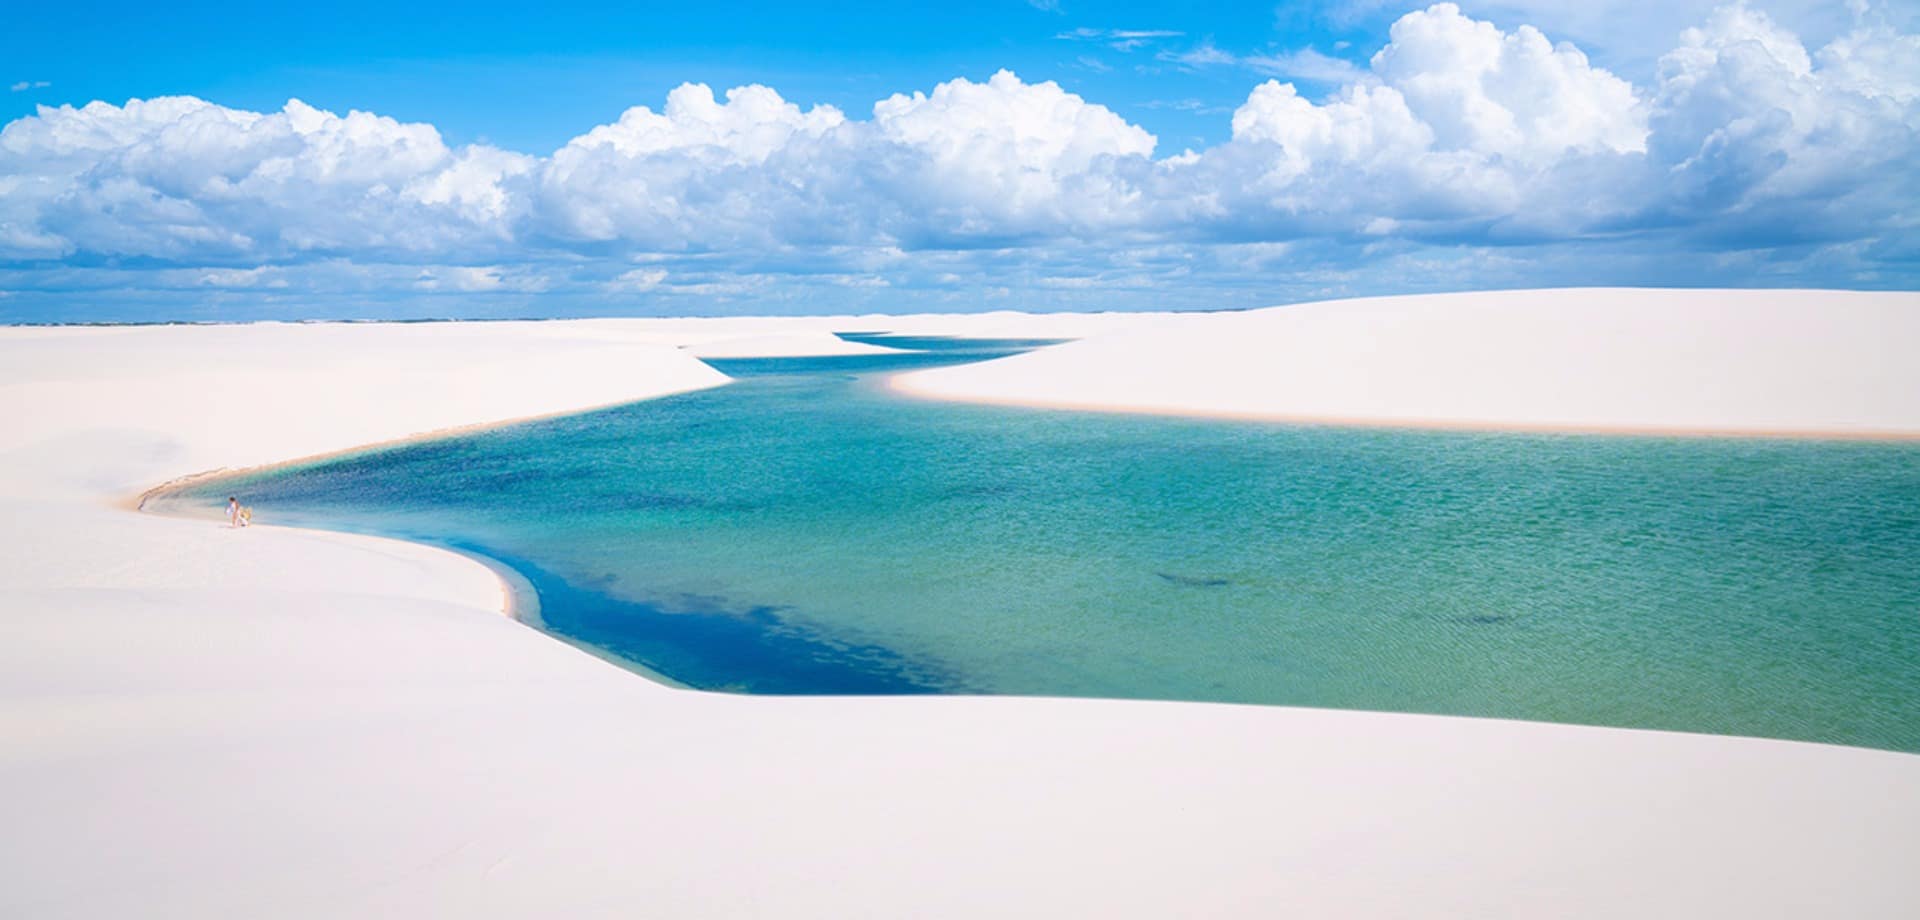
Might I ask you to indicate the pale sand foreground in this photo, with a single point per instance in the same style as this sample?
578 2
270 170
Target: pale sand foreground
198 722
1753 362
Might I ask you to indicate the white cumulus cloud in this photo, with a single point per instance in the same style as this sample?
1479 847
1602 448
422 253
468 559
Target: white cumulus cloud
1457 142
968 160
1508 94
699 172
1455 120
178 177
1004 157
1749 125
1461 131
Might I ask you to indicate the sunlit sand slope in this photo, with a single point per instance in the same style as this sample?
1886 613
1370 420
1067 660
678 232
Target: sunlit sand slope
1790 362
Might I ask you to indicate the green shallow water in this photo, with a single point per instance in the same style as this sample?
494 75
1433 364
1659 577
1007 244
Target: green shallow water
803 530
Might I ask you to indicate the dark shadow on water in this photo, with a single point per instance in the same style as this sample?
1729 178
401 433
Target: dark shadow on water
706 643
1484 619
638 500
1195 581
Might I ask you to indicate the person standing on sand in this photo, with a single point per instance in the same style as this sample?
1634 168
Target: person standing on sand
233 511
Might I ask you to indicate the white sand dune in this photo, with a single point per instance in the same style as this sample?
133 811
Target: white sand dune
185 399
1001 324
1763 362
804 344
808 336
200 722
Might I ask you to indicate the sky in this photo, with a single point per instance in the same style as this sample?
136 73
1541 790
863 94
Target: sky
186 162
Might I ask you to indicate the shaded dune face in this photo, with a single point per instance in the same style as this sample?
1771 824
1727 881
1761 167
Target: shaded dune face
1753 362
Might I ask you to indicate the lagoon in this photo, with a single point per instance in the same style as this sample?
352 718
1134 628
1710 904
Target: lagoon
803 530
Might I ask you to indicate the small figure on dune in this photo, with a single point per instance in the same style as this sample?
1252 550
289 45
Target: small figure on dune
233 511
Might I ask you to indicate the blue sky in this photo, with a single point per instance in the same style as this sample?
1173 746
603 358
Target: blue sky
1132 155
529 77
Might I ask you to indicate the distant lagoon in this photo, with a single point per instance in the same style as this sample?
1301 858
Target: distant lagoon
805 531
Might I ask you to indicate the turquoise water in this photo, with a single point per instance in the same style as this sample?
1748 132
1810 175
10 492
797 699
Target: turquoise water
805 531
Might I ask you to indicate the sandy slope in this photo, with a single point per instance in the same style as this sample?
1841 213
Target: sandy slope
1588 359
201 722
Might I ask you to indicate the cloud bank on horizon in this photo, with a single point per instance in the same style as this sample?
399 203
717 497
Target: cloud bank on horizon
1462 155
